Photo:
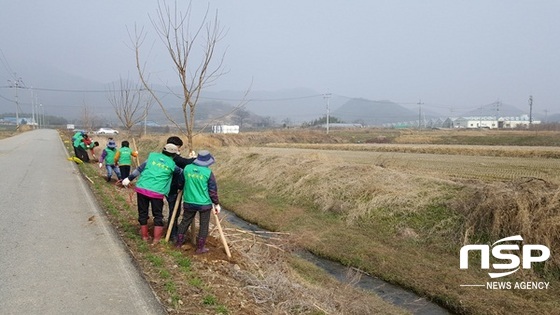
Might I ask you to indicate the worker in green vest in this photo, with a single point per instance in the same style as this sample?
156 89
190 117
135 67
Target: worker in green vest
123 158
108 156
153 186
200 196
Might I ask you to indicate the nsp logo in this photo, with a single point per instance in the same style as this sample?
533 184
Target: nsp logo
501 252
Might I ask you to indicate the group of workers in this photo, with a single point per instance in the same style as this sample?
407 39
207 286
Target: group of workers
81 143
163 176
117 161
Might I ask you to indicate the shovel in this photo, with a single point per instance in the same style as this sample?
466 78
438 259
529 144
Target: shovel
222 237
170 225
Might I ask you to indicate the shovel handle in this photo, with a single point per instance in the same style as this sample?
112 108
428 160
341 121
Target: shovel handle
222 236
170 225
135 149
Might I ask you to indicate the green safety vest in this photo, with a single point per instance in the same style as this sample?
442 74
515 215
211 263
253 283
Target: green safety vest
157 174
125 157
196 185
77 135
78 140
110 156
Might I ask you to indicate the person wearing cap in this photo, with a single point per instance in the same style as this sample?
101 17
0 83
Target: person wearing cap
174 190
153 186
123 158
200 196
108 156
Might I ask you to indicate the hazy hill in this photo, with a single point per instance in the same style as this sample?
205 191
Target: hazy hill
295 105
373 113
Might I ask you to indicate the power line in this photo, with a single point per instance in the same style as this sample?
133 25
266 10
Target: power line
167 92
7 99
6 65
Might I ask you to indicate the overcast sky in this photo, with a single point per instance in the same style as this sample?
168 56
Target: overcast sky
460 54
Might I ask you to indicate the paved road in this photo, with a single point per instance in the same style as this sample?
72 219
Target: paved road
53 259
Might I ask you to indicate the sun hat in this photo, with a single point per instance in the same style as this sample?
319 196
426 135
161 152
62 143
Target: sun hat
204 158
111 144
171 148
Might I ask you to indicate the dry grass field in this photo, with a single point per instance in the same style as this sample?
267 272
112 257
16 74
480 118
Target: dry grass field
395 204
6 133
403 215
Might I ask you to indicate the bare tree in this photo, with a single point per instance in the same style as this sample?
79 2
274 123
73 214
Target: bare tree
174 30
88 118
130 104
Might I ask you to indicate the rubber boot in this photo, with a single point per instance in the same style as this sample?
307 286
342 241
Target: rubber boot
158 232
180 240
200 249
144 232
108 179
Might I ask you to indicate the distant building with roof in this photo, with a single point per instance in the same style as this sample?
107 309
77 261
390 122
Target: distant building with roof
9 120
491 122
342 125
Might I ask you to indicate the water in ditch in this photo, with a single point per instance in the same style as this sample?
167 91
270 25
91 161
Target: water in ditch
388 292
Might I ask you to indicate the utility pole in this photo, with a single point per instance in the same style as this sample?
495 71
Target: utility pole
419 113
34 122
327 96
530 110
37 111
16 85
42 118
498 104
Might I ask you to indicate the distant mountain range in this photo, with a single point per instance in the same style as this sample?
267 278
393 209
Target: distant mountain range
67 96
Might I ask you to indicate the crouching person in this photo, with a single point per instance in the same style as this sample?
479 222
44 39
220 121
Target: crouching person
199 194
108 156
152 187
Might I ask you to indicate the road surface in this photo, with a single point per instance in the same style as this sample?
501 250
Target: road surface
58 253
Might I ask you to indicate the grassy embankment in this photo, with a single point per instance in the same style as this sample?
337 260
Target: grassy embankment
187 285
399 224
403 225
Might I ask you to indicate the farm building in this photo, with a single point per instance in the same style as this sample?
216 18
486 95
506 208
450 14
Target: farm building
225 129
22 121
492 122
342 125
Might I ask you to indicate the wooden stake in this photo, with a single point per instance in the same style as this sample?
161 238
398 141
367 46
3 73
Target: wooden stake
135 149
224 242
170 224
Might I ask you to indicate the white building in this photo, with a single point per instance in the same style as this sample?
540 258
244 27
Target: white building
225 129
491 122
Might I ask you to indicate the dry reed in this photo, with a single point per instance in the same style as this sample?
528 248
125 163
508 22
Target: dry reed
267 276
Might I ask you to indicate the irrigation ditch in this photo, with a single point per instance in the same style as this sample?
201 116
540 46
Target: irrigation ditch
391 293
